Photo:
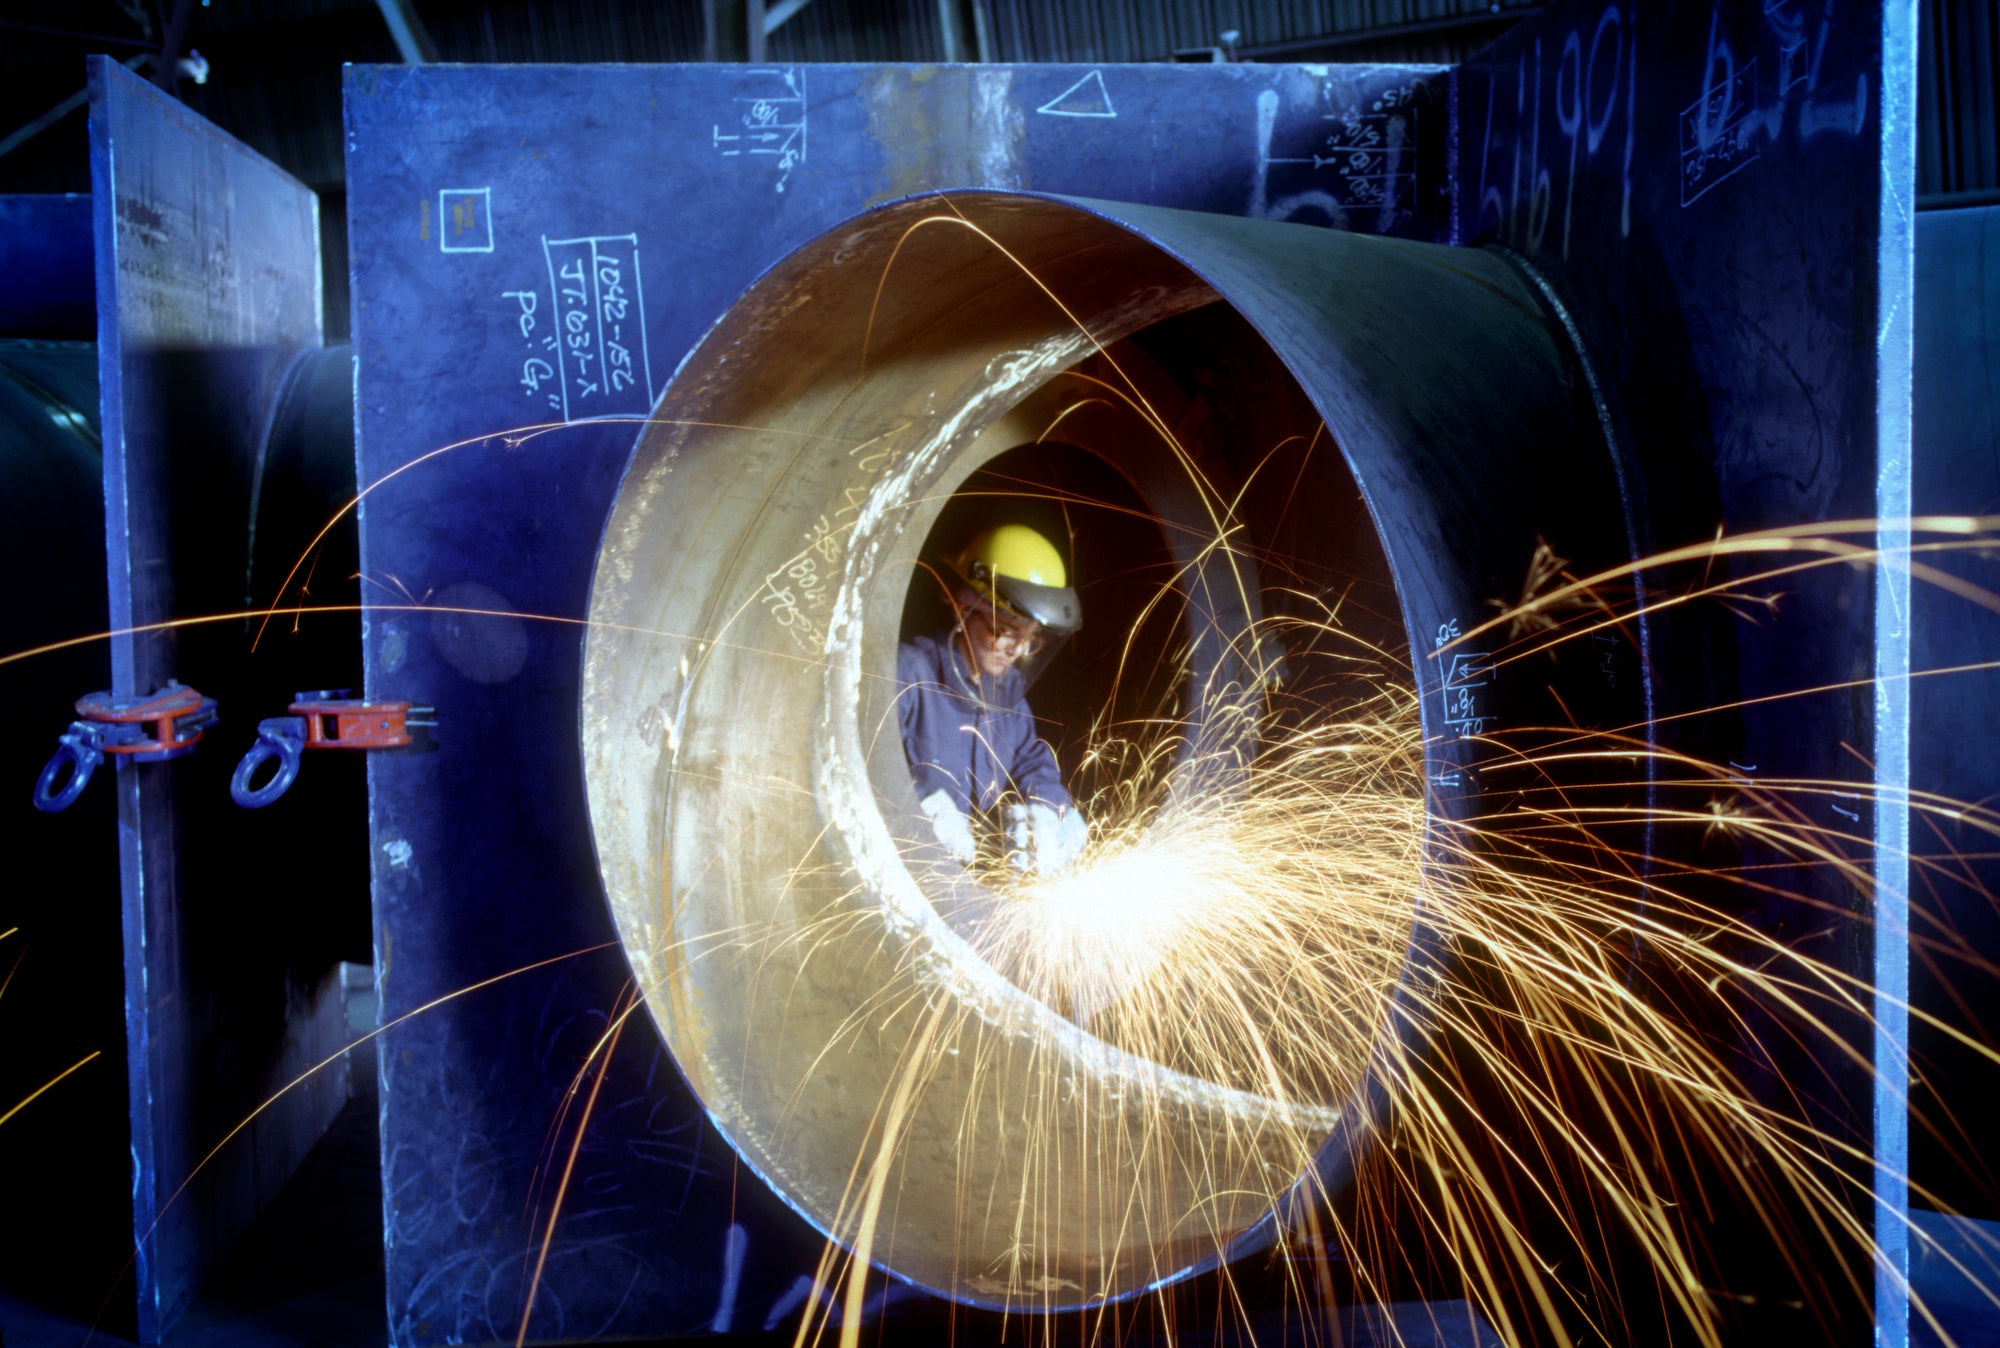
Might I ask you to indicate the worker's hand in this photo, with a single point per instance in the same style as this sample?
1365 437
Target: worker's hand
953 829
1059 837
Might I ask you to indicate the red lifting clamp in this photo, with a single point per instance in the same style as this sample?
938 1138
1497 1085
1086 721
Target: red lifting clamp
338 722
331 719
166 723
176 713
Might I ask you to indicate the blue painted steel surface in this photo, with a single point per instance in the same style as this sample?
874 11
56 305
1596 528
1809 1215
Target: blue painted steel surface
1951 1265
1956 718
1896 201
45 254
510 229
538 247
208 292
1719 195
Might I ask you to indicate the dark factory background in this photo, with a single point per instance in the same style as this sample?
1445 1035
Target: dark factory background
269 73
295 889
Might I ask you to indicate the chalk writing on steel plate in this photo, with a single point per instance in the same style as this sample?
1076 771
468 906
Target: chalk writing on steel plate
601 361
766 123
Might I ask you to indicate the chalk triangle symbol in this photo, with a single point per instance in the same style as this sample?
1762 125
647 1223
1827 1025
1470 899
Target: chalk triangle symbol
1086 98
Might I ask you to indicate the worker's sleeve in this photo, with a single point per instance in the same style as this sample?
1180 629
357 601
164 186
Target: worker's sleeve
1033 768
932 728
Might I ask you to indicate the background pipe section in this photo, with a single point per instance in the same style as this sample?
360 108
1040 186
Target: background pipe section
65 996
748 805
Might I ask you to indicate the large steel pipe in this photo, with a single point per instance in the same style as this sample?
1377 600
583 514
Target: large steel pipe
755 826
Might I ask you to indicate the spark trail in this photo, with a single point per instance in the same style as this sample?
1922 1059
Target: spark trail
1305 931
1531 1038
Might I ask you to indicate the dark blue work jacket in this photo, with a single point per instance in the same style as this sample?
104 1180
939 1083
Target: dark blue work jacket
970 738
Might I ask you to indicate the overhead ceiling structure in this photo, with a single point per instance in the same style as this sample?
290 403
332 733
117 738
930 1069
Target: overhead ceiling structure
269 69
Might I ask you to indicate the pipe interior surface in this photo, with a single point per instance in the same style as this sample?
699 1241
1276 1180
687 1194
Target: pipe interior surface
799 938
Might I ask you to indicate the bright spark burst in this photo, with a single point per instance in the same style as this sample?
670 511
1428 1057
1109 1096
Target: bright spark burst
1547 1057
1256 935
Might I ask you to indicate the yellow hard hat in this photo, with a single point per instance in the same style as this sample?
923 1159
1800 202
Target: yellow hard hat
1016 568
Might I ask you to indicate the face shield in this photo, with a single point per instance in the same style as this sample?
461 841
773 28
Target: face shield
1016 608
1010 623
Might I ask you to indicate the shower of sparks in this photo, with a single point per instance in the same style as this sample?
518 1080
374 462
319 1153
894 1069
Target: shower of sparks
1291 922
1532 612
1257 935
1511 1017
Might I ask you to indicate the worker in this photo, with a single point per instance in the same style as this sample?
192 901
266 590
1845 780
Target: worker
978 765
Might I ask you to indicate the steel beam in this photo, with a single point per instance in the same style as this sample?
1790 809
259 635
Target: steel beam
208 292
1953 720
781 13
734 30
406 26
168 72
23 134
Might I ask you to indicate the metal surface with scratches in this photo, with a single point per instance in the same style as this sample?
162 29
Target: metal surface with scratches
1668 206
1722 197
474 194
1955 719
208 304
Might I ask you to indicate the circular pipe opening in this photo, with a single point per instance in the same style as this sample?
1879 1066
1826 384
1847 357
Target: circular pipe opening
826 978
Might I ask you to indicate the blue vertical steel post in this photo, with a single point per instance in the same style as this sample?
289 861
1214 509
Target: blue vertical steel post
207 263
1896 266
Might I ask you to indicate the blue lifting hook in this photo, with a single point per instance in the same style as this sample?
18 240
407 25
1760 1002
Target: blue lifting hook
175 714
329 719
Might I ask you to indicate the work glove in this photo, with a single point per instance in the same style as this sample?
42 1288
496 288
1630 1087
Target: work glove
953 829
1059 836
